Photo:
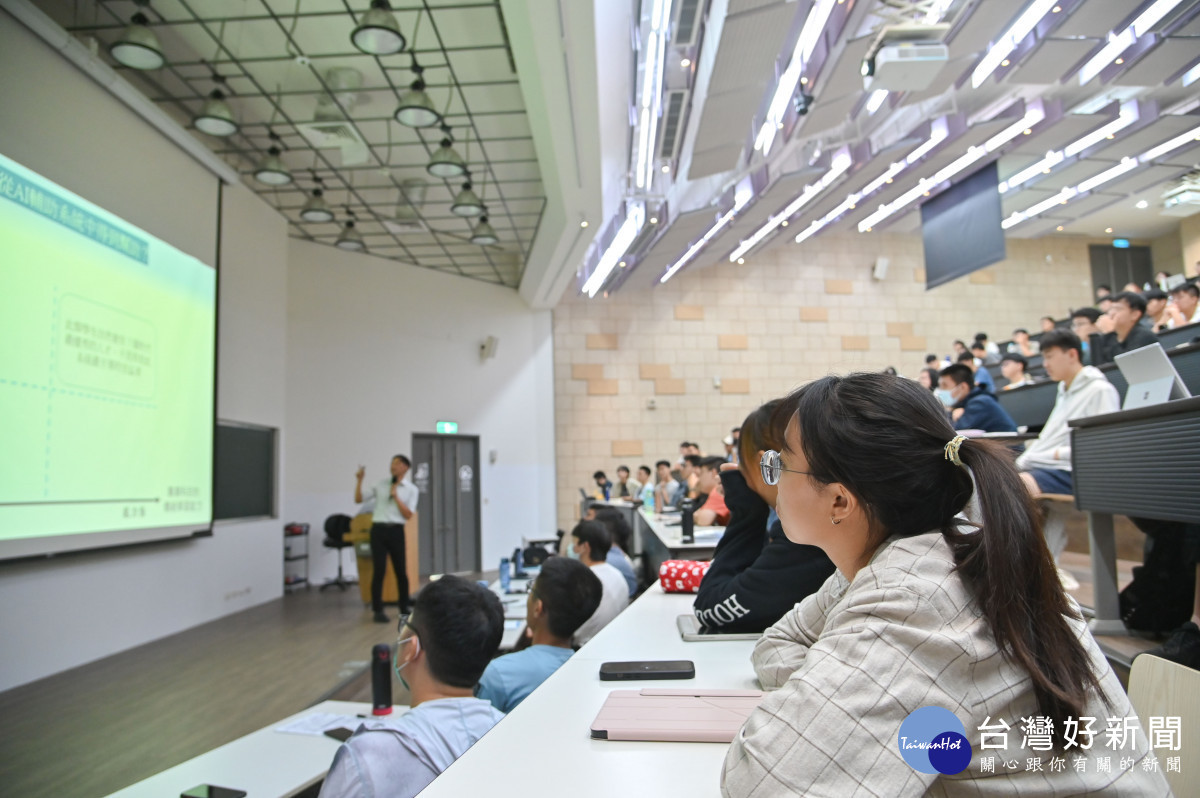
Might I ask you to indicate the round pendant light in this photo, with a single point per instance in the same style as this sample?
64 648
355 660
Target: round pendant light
216 117
350 239
138 47
316 209
416 109
271 169
467 202
483 234
446 162
377 32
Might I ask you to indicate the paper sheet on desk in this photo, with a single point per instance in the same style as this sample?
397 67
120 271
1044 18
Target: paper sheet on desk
320 722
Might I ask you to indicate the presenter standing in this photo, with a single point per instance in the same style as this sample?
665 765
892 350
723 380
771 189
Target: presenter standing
395 503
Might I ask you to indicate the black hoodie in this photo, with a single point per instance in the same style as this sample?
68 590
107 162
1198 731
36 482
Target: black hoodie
757 574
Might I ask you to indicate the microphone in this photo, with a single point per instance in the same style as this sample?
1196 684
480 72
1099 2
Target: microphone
381 679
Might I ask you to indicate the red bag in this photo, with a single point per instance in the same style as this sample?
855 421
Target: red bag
682 576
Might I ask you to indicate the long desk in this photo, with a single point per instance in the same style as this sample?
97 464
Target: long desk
265 763
1142 463
661 541
551 726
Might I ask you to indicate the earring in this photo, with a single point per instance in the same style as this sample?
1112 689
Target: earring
834 521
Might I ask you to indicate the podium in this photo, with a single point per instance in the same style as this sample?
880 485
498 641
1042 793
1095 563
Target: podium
360 536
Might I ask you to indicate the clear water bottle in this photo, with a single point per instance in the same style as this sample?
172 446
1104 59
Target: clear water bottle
505 574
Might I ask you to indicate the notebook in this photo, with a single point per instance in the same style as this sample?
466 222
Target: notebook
686 716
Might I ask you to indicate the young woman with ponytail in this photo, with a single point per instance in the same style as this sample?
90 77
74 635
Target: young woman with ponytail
924 610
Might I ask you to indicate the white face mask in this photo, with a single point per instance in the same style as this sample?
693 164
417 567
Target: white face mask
574 555
945 397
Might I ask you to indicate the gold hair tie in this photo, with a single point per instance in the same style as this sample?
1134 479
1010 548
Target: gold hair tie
952 450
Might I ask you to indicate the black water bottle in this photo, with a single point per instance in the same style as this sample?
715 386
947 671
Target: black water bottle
381 679
687 524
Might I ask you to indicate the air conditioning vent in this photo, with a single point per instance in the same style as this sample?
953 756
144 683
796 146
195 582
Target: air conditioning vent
674 107
687 23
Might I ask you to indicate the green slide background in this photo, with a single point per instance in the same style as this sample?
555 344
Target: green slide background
106 378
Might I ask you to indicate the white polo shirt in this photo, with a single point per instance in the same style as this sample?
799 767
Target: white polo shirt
386 511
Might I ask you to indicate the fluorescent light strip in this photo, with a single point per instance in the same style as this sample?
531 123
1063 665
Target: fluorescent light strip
616 248
1175 143
841 162
1034 113
1067 194
1117 44
651 99
1152 16
699 245
1129 115
936 10
1191 76
1108 174
876 100
1010 39
810 34
938 132
1053 158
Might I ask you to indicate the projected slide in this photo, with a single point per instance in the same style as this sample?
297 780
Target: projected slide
106 373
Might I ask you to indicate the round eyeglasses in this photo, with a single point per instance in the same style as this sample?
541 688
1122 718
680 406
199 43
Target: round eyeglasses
771 467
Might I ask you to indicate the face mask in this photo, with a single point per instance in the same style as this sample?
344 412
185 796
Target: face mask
396 660
574 555
945 397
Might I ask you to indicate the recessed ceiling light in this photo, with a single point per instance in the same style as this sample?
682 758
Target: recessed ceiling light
1108 229
666 169
741 261
1120 61
622 264
803 81
784 223
1059 228
1028 131
685 63
583 224
1055 10
1142 205
653 220
1005 62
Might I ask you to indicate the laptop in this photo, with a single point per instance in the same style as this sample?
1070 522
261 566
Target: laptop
1151 377
684 716
692 632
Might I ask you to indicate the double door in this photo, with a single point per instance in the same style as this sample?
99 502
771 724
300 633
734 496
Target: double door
446 472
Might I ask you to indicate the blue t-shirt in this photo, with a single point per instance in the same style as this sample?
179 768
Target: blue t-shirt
510 678
620 560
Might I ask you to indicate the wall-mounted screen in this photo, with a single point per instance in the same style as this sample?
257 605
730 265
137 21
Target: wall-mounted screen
961 228
106 376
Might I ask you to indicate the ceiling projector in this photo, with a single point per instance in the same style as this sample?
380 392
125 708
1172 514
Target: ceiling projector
905 66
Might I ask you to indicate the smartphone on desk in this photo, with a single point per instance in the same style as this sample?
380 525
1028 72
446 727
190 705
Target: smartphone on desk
648 669
341 734
211 791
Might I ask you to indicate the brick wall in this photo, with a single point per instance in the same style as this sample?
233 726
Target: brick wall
712 344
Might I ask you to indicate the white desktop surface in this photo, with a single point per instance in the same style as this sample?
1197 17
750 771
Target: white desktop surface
706 537
552 726
265 763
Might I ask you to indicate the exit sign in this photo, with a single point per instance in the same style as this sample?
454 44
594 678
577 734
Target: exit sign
447 427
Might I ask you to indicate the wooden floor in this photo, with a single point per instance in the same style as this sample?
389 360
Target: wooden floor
100 727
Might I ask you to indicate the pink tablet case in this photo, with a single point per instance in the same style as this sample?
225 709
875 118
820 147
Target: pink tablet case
687 716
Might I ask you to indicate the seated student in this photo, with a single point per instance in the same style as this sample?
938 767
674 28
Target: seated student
1047 323
1083 324
1082 391
971 407
644 478
665 487
445 643
1021 345
1125 311
1156 317
983 377
1185 306
1013 366
991 351
603 486
689 476
922 612
757 574
618 557
590 544
626 488
563 596
712 512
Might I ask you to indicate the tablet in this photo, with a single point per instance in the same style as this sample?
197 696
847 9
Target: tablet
692 632
686 716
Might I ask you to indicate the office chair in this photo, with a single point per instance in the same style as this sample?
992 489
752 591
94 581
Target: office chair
336 527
